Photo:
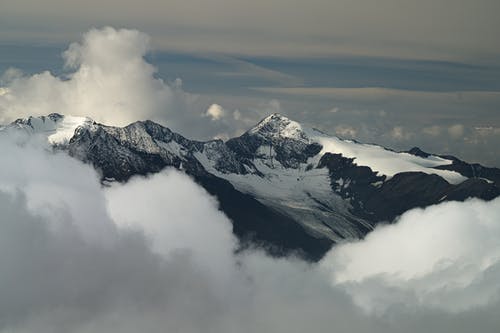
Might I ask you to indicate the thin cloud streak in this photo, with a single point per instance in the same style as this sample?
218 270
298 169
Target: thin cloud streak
378 93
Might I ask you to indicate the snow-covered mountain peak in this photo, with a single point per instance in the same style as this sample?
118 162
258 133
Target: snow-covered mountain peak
280 182
58 128
278 126
35 122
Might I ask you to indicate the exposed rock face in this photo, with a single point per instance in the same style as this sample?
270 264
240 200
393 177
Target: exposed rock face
288 187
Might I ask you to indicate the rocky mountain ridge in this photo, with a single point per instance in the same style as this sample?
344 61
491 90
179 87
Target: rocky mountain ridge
285 186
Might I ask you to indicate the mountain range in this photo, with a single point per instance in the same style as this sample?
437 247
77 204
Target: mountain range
286 187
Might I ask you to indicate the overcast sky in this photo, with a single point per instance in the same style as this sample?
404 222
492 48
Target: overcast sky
446 29
398 73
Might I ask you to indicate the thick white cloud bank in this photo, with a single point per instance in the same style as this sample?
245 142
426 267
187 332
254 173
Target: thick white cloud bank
156 254
445 256
188 223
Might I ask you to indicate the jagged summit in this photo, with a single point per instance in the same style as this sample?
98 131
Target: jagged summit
274 139
58 128
418 152
55 117
278 126
273 118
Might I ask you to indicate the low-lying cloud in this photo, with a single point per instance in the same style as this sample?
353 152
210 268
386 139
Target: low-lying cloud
157 254
445 256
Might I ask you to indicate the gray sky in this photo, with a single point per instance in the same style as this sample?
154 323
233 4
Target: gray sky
444 29
398 73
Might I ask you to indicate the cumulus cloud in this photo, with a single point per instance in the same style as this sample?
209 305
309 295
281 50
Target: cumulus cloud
226 124
224 121
110 82
193 221
445 257
74 251
31 172
107 78
215 112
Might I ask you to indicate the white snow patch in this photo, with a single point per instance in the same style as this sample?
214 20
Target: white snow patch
173 147
383 161
487 180
340 182
280 126
57 129
299 192
386 162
